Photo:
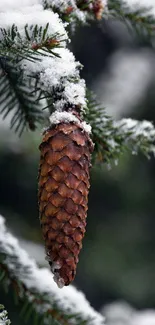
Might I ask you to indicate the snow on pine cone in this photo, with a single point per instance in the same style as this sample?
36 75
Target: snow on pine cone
63 195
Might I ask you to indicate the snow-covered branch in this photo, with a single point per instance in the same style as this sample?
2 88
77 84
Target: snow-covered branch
78 10
136 135
131 135
31 16
113 138
59 78
38 35
38 285
41 33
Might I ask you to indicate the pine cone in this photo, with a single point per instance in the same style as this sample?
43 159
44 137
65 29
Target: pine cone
63 196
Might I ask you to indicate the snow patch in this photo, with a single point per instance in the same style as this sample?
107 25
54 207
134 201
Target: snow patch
122 313
135 4
67 117
31 16
75 92
137 128
8 5
4 318
59 74
52 69
86 127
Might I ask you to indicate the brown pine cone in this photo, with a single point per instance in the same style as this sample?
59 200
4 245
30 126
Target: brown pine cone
63 196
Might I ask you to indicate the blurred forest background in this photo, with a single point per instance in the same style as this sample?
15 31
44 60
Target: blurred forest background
118 257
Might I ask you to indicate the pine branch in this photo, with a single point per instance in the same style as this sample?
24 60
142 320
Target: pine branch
112 138
40 52
18 93
18 45
43 300
136 18
55 74
16 97
77 11
4 316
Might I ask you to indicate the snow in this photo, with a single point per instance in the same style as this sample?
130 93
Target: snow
112 143
67 117
55 73
86 127
144 318
52 69
4 317
34 250
121 313
40 281
75 92
142 3
118 313
137 136
57 76
144 128
59 105
61 5
59 72
8 5
31 16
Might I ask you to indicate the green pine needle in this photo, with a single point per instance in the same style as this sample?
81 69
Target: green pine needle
16 99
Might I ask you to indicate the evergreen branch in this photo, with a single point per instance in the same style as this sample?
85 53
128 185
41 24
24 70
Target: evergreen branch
56 75
53 68
138 18
112 138
36 287
77 11
4 316
16 97
22 42
18 46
